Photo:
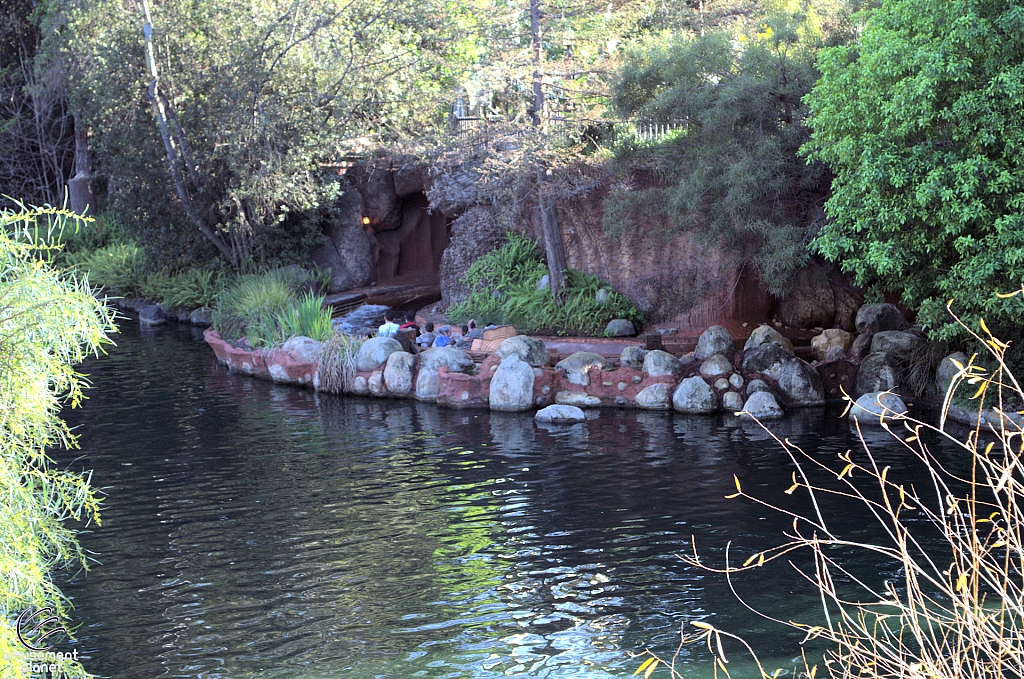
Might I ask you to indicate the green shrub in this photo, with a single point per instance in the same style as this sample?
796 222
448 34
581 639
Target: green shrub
253 305
118 268
307 317
504 292
189 288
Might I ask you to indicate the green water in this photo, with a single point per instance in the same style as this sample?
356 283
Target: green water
252 530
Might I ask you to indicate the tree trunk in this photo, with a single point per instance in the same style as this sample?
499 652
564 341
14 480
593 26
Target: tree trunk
80 188
554 247
535 39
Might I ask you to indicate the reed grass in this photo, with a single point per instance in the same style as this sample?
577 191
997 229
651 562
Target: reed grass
956 608
336 366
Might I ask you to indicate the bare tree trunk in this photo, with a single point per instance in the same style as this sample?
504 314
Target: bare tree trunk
80 190
554 246
174 147
538 63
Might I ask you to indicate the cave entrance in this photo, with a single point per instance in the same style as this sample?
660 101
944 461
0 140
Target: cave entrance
411 254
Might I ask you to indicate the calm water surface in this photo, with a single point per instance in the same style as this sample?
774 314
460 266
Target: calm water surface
252 530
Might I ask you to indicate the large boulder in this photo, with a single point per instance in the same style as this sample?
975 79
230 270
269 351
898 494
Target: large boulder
152 315
347 249
894 342
763 406
619 327
528 349
512 385
658 363
655 397
877 407
810 303
947 370
376 184
580 399
560 414
409 179
714 340
428 384
454 191
860 348
575 366
872 318
398 373
633 357
473 235
374 353
799 382
693 396
303 349
877 373
715 366
828 341
764 356
765 334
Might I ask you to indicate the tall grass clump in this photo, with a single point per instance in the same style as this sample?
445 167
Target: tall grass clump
955 608
259 306
306 317
336 367
503 291
49 321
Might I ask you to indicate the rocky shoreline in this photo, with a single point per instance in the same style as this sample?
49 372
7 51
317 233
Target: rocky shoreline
763 378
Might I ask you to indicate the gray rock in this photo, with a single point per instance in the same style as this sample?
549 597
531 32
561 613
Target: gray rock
655 397
512 385
877 373
694 396
761 358
763 406
347 250
201 317
799 382
619 327
875 407
575 366
828 340
475 233
601 297
732 401
946 371
721 384
376 384
860 348
152 315
894 342
633 357
560 414
714 340
658 363
374 352
428 384
765 334
528 349
716 365
303 349
736 380
834 354
544 283
360 386
756 386
398 373
577 398
409 179
872 318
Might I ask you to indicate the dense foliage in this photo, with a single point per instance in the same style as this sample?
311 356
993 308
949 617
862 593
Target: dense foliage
922 122
730 168
48 322
504 291
269 308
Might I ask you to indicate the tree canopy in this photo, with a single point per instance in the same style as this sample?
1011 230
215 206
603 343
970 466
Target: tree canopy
922 124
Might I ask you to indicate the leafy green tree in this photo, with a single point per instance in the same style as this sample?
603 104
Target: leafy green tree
730 170
48 323
922 124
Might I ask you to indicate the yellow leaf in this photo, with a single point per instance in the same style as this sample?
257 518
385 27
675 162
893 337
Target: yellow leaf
981 390
961 583
1007 295
789 491
751 559
999 543
643 667
760 561
910 439
650 670
988 448
737 480
814 670
981 322
721 651
701 625
846 470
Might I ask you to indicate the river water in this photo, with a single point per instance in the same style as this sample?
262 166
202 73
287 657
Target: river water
253 530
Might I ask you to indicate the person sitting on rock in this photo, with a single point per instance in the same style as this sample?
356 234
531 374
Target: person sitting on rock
390 327
427 338
444 336
465 342
474 331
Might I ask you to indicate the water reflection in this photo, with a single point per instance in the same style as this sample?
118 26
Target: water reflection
254 530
